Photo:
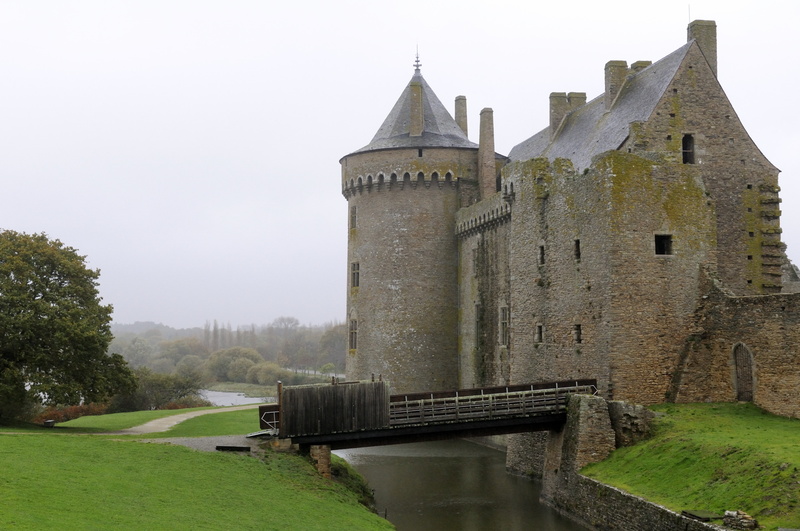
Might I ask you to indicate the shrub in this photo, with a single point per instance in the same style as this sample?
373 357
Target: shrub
65 413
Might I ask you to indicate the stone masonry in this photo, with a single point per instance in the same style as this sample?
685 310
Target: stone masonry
635 239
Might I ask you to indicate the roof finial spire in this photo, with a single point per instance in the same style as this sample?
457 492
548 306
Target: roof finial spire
417 64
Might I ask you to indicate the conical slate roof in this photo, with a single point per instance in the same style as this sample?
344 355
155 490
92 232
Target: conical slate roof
439 129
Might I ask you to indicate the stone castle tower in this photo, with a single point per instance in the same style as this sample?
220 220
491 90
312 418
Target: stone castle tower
635 239
403 191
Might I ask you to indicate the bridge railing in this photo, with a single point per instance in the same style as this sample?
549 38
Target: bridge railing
473 404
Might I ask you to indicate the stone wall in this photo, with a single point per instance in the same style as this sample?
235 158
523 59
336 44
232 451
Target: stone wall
402 237
590 295
484 292
741 182
589 436
765 328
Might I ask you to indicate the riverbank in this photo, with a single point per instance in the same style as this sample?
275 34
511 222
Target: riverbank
67 479
714 457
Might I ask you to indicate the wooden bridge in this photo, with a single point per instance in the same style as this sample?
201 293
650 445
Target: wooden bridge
350 415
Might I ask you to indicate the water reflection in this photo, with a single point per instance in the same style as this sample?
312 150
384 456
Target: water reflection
222 398
452 485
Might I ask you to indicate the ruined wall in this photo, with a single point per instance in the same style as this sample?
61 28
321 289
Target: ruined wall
402 238
761 331
739 179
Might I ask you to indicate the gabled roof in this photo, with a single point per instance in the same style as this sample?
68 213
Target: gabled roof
439 130
589 130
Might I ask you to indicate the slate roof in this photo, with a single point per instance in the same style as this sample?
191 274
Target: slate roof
440 129
589 130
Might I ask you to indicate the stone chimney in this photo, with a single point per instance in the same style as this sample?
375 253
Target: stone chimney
560 105
640 65
615 78
558 109
417 120
461 113
487 171
705 33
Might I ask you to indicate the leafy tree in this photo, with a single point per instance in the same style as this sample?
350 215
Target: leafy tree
54 331
154 391
220 362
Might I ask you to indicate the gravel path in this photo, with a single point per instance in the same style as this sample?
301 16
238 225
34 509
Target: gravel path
163 424
205 444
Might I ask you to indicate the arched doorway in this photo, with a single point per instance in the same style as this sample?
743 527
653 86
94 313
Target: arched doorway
743 361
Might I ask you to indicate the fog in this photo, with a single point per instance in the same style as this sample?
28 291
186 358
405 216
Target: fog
190 148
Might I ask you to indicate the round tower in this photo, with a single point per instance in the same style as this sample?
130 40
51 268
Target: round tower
403 190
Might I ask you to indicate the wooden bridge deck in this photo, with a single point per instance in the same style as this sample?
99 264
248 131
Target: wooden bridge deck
439 415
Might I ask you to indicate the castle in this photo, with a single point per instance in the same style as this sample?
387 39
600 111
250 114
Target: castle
636 240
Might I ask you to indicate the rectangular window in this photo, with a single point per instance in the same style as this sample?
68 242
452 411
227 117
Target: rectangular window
577 249
352 217
354 274
688 149
576 333
541 255
663 243
504 335
537 336
353 334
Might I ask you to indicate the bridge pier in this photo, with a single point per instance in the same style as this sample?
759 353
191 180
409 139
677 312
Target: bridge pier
587 437
321 456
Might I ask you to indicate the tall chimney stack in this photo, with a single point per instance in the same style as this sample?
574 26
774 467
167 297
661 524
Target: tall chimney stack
615 78
562 104
558 109
487 172
705 33
461 113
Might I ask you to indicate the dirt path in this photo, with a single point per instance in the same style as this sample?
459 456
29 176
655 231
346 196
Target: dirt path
163 424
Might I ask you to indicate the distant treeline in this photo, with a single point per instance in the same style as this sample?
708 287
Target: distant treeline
217 352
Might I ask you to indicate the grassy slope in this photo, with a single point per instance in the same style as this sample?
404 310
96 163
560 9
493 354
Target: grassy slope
715 457
52 479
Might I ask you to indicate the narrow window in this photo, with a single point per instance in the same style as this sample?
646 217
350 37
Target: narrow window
419 152
541 255
354 274
663 243
577 249
353 334
576 333
537 336
353 217
688 149
504 339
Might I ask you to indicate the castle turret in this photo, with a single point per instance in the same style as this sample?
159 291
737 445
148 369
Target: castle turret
403 190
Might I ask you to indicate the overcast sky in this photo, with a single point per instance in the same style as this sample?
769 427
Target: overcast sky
190 148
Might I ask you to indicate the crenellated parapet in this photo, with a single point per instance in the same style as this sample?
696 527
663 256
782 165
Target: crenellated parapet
483 215
385 181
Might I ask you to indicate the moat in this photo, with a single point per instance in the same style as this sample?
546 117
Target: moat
452 485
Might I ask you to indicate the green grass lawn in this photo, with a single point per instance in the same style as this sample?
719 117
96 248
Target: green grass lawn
226 423
714 457
60 479
119 421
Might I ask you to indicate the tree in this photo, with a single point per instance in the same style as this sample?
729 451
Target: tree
54 330
154 391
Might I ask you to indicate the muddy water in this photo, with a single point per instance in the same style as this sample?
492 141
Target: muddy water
452 485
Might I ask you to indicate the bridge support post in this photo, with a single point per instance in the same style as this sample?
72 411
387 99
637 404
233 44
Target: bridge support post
321 456
587 437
